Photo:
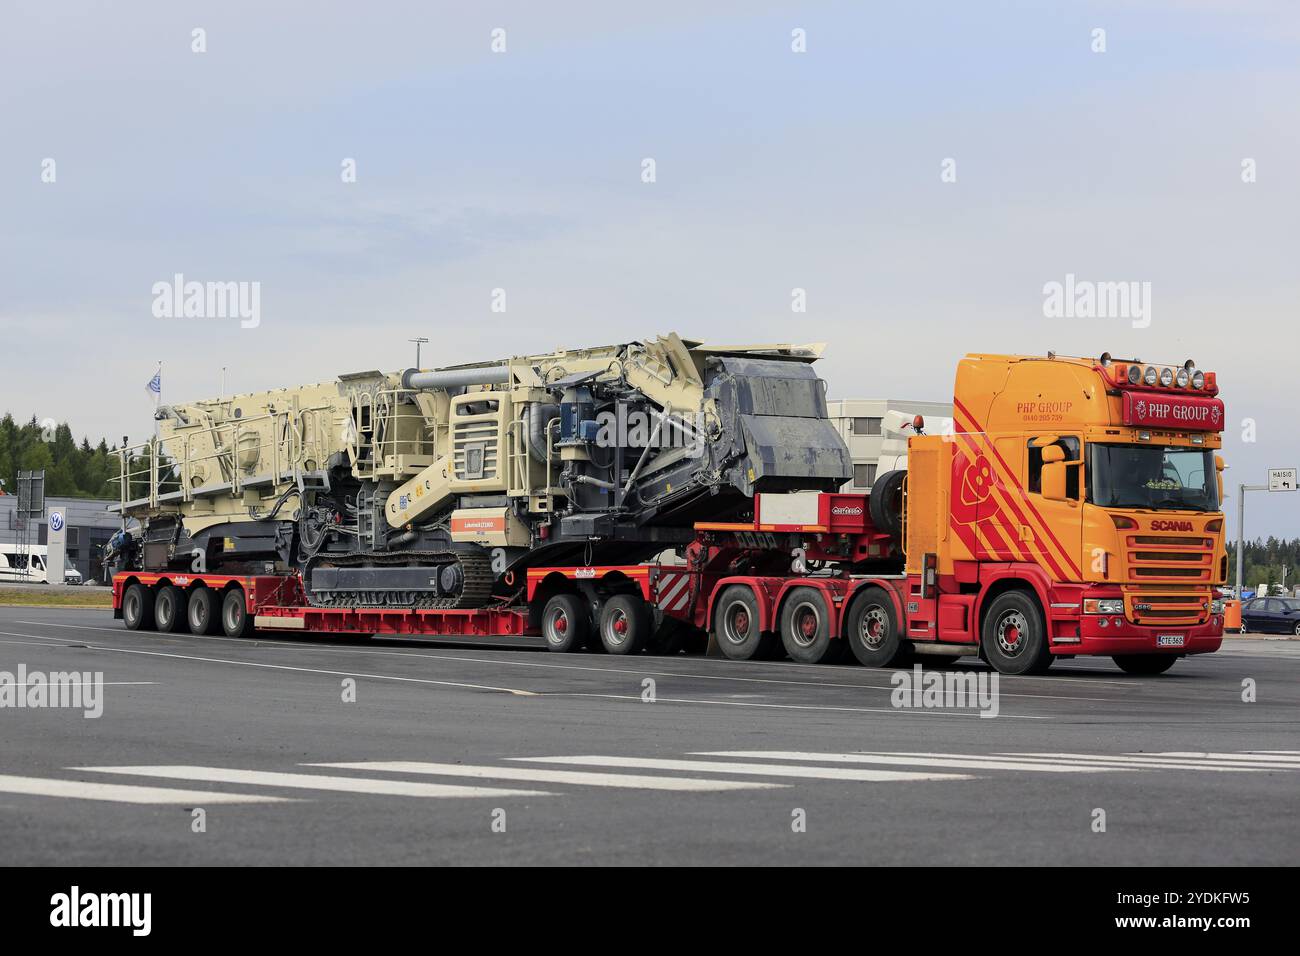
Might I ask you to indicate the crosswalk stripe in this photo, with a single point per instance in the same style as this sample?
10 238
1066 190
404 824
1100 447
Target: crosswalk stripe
1246 757
953 761
122 793
1156 763
539 775
309 781
749 769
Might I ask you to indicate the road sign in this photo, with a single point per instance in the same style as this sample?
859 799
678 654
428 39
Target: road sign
31 494
1281 479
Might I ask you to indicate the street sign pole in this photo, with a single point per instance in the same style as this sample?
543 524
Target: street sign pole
1279 479
1241 529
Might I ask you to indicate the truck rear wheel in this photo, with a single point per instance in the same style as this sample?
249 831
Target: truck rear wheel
806 628
235 619
565 624
736 624
1014 635
624 624
872 630
169 609
137 608
1144 663
202 612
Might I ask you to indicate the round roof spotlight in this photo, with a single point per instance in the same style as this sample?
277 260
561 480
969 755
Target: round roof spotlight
1104 360
1151 375
1198 380
1166 377
1134 374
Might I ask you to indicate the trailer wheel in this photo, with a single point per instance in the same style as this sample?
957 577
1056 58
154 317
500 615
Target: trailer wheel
1145 663
235 619
806 628
201 611
872 629
169 609
564 623
885 504
1014 635
137 608
736 623
624 624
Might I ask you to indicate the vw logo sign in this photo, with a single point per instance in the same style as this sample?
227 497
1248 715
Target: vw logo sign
56 520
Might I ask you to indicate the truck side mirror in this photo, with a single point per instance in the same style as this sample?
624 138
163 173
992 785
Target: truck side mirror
1053 481
1053 478
1218 468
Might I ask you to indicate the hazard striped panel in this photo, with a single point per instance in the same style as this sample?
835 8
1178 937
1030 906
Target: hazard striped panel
673 591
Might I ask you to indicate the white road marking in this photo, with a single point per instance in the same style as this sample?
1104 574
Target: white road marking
1126 685
539 775
310 781
285 667
1155 763
748 769
1247 757
939 761
900 712
121 793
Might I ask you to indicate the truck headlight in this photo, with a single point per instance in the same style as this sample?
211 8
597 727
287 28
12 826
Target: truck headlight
1103 606
1216 606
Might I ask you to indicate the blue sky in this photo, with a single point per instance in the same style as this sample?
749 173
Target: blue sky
521 171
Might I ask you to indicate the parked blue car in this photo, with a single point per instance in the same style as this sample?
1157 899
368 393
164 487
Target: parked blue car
1274 615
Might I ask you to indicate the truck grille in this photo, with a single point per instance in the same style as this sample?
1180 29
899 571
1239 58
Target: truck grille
1178 558
1166 605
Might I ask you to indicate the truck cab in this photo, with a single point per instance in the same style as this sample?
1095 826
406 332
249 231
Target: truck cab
1094 486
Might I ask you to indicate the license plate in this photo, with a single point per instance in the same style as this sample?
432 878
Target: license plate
1169 640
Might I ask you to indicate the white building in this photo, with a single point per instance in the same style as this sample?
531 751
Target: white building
873 430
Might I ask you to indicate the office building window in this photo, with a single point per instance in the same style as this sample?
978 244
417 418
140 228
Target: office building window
866 426
864 476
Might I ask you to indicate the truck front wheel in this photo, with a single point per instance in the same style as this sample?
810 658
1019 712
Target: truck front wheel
137 608
1144 663
872 630
1014 636
806 628
564 623
235 619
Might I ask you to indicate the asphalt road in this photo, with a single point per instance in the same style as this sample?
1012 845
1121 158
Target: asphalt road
444 749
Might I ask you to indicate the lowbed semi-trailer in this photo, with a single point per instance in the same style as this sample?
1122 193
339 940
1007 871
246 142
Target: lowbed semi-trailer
1074 509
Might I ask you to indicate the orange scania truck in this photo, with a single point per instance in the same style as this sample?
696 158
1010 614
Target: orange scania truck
1074 509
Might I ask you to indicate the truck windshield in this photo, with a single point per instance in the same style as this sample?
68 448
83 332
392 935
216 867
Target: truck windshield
1146 476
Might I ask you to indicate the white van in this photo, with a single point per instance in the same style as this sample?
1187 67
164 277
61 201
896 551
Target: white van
30 566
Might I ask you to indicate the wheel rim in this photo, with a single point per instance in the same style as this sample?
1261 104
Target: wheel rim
559 626
1011 633
616 627
165 610
736 624
874 628
232 616
133 606
807 624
